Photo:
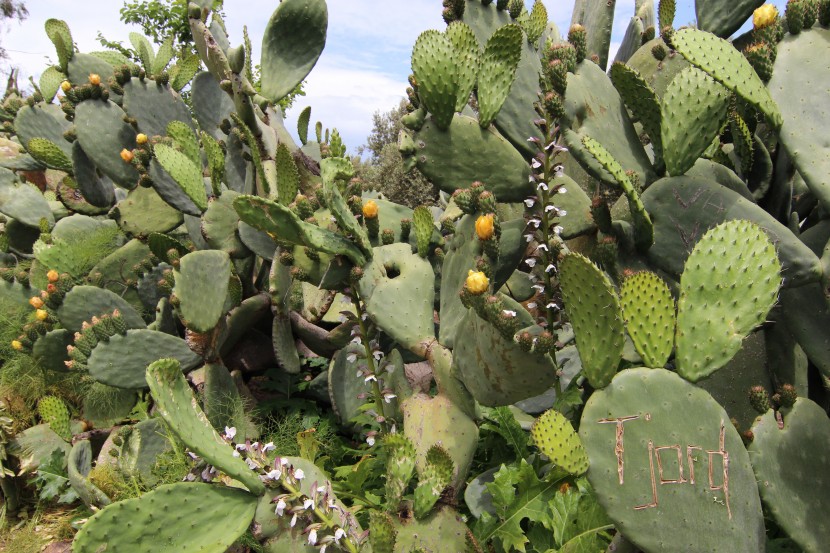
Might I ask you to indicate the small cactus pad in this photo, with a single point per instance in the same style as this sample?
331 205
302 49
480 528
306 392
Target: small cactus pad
555 437
792 466
694 111
202 287
292 43
498 69
186 174
400 467
436 70
648 310
178 407
729 67
433 479
596 316
643 102
382 533
424 226
730 283
53 411
668 466
215 517
467 48
442 531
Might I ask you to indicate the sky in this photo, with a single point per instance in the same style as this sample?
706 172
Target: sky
363 69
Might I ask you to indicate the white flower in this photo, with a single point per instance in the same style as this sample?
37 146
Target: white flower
299 474
241 447
542 247
269 447
542 186
274 474
562 190
370 440
550 268
532 305
357 340
312 537
538 287
558 229
280 510
561 212
308 504
251 464
530 202
530 262
370 378
535 163
549 208
338 534
323 549
552 305
230 433
294 520
255 446
321 489
389 397
535 222
235 453
351 358
378 355
528 238
509 313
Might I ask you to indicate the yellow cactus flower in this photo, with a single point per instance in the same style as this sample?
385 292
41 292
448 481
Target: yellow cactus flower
370 209
65 86
36 302
477 282
52 276
485 227
141 138
764 16
17 345
94 79
41 314
126 155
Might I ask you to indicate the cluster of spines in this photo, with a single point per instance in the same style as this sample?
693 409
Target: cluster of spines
98 329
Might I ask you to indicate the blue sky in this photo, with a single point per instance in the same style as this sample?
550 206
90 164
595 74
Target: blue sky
363 69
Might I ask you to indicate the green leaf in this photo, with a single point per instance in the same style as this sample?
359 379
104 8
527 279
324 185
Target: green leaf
508 428
518 494
52 480
579 520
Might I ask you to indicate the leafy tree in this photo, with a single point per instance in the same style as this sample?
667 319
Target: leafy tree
11 9
384 171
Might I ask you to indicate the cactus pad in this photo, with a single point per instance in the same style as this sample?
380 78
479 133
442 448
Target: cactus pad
292 43
648 310
179 408
49 154
596 316
791 464
670 481
729 67
79 464
201 287
725 292
436 70
103 134
84 302
179 166
216 517
23 202
498 69
555 437
467 48
442 531
53 411
122 360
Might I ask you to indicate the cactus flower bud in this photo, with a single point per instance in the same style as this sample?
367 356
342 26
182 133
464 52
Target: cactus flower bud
52 276
126 155
764 16
36 302
370 209
41 314
485 228
94 79
141 138
17 345
477 282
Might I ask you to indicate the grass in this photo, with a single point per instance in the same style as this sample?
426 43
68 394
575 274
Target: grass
29 535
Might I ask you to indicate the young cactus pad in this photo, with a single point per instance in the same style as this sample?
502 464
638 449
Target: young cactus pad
648 309
596 316
730 283
555 437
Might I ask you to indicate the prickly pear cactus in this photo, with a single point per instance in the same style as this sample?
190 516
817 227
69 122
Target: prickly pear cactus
670 482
